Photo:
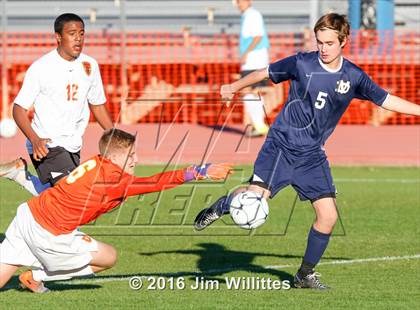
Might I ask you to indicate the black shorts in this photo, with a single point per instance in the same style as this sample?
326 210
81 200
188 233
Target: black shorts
262 83
57 164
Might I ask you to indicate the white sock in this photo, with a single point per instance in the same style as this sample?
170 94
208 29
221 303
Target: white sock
255 109
27 184
43 275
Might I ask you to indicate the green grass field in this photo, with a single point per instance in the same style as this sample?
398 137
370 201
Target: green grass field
380 219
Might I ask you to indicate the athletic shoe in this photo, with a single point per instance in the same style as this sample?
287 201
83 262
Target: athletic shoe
209 215
254 133
12 169
309 281
27 282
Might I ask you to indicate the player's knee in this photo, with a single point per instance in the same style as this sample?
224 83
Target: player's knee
326 212
254 188
259 190
328 219
239 190
106 257
112 257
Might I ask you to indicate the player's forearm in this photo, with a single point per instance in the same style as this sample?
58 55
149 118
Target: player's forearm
397 104
174 178
250 79
253 44
156 183
102 116
21 118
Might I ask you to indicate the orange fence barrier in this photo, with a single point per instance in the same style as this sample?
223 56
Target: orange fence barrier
175 78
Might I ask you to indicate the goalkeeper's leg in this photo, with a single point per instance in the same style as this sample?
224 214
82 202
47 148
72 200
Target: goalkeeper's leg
104 258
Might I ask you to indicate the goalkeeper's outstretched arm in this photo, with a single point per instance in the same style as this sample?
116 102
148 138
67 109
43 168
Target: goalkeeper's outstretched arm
170 179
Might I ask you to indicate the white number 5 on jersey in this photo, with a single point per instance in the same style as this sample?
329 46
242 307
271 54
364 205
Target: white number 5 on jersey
320 100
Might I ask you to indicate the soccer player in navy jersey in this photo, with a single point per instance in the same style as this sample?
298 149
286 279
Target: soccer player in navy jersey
323 83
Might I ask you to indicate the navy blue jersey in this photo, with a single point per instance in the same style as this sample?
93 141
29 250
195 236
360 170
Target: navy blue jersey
317 99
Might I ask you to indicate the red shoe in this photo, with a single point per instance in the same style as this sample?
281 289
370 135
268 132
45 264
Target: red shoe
27 282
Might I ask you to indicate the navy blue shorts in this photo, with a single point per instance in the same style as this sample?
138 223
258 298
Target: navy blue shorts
309 175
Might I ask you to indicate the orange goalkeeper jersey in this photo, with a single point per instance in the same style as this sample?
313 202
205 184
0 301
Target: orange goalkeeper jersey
93 188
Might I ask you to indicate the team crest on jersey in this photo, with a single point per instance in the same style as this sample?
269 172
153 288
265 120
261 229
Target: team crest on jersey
87 67
342 87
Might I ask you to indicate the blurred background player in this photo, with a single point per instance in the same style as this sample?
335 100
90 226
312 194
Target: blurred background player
253 49
323 83
62 86
44 234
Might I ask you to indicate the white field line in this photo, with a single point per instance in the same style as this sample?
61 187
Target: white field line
239 268
354 180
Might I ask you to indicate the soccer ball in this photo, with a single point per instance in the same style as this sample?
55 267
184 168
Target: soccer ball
8 128
249 210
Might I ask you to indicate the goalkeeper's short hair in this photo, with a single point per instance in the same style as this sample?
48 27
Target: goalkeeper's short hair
114 139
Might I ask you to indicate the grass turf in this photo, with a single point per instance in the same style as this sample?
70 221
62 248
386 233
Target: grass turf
379 210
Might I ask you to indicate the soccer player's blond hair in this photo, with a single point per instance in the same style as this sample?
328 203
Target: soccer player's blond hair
115 139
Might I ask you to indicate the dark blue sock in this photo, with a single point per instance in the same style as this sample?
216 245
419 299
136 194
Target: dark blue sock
317 243
39 187
223 204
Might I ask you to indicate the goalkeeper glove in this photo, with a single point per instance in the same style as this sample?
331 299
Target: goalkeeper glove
208 171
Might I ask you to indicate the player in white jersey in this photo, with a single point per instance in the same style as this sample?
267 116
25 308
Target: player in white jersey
253 49
62 86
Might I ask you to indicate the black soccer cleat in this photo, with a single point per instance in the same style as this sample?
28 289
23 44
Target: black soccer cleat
310 281
208 215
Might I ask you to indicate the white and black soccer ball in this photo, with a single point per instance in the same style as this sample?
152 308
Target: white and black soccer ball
249 210
8 128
